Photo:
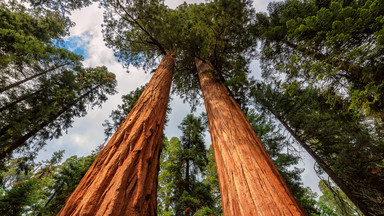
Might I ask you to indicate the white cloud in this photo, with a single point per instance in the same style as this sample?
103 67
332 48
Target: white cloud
261 5
174 3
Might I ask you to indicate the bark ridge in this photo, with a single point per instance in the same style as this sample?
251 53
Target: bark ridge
123 178
249 182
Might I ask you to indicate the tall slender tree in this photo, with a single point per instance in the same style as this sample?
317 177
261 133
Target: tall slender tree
43 87
53 109
339 142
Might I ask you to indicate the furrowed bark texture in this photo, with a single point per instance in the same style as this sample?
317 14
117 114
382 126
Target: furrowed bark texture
123 178
249 182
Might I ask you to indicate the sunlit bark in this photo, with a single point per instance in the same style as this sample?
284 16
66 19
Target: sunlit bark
123 178
249 182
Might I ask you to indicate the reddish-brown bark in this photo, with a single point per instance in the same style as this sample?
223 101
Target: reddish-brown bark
249 182
123 178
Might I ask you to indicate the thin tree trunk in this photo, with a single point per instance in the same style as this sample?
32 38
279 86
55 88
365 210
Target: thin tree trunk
22 98
123 178
249 182
5 88
187 176
339 182
12 145
187 167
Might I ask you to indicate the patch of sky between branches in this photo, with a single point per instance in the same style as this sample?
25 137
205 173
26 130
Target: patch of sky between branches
77 44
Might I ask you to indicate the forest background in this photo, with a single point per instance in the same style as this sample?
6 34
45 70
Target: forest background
87 133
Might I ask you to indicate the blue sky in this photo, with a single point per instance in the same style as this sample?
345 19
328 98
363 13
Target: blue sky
77 45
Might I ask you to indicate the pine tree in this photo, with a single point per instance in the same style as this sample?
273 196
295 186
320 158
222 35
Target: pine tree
341 143
43 87
191 194
181 189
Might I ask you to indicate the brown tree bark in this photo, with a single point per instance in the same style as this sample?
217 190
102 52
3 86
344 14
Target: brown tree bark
249 182
123 178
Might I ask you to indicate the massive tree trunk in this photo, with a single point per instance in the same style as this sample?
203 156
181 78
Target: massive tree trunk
123 178
249 182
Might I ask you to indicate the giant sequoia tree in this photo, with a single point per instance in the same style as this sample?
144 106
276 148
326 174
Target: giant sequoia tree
123 178
221 44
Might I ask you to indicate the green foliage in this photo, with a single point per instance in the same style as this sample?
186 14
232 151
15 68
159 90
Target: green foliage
346 143
216 31
43 87
336 200
65 182
24 185
137 30
335 45
43 188
62 6
140 31
212 179
169 171
45 115
181 191
22 194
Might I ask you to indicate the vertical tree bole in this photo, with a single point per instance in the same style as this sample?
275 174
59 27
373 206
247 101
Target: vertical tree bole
123 178
249 182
